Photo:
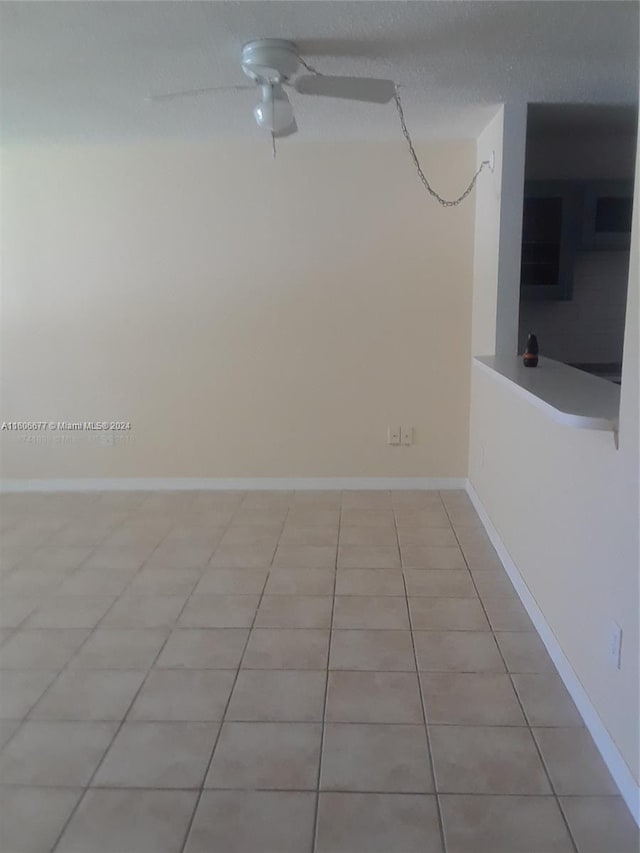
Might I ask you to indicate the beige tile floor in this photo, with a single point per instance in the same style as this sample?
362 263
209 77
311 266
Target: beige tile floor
281 673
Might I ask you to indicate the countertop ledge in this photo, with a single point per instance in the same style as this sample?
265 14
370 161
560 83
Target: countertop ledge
568 395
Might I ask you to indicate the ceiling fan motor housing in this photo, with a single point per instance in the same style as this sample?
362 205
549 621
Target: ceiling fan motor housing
270 60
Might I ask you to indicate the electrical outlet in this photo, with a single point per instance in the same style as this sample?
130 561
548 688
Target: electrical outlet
615 645
406 435
393 435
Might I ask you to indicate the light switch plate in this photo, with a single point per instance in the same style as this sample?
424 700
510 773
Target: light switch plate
406 435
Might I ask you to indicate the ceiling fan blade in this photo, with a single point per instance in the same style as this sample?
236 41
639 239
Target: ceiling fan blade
288 131
189 93
368 89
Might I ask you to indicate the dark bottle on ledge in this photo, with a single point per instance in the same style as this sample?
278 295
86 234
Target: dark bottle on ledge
530 357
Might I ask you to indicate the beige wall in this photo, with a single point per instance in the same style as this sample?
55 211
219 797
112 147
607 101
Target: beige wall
565 503
249 317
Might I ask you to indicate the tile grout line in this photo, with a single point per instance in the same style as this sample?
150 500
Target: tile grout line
87 787
191 821
422 705
314 832
77 651
517 695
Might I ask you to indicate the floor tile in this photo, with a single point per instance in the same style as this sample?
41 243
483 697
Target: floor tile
495 824
231 581
41 648
120 648
264 537
472 535
574 764
60 753
183 695
486 760
271 518
473 699
7 730
253 822
89 695
300 582
294 611
366 499
118 557
277 695
219 611
391 758
185 555
418 518
524 651
31 819
435 537
34 582
267 755
305 557
546 701
132 821
282 648
447 614
373 697
158 755
369 582
368 611
21 689
54 558
306 515
440 583
457 651
368 557
378 823
203 648
432 557
70 612
372 650
243 556
87 583
164 581
507 614
313 535
14 611
385 536
494 584
601 824
144 611
367 517
481 555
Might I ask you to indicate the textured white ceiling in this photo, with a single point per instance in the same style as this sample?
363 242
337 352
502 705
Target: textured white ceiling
78 70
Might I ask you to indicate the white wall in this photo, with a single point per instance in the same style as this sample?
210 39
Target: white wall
565 504
249 317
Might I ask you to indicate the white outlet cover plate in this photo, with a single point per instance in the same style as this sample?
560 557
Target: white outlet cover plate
406 435
393 435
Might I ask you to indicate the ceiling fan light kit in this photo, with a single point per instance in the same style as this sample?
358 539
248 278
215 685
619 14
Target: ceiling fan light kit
272 64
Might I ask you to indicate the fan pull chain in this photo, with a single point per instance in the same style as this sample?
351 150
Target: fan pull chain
412 152
443 201
273 146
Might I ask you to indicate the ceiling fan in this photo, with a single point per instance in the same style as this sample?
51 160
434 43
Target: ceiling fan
274 65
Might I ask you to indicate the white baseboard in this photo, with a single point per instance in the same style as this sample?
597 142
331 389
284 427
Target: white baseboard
610 753
153 484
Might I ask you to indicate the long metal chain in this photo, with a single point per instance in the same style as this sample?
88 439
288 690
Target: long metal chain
405 132
443 201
